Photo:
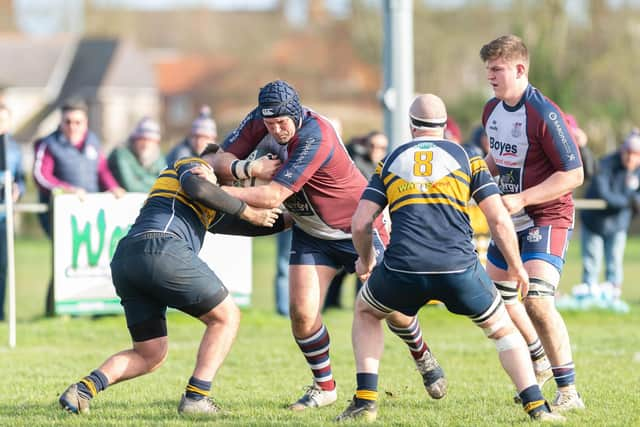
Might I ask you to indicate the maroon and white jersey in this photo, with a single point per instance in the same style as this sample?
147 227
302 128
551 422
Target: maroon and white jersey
529 142
326 184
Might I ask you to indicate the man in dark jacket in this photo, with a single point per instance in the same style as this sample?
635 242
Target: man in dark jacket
617 183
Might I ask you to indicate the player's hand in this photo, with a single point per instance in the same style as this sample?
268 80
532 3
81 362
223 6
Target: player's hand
364 269
513 203
521 277
260 217
205 173
265 167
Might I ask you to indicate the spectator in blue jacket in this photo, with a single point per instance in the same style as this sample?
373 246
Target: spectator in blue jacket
617 183
13 164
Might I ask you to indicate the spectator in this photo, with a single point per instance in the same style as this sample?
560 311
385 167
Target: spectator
366 152
478 144
137 165
203 132
452 131
12 163
617 183
70 160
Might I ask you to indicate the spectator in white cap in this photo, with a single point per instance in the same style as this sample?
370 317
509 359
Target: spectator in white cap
137 165
604 232
203 132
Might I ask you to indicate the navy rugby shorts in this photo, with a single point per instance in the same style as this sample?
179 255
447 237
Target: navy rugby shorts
155 270
469 293
309 250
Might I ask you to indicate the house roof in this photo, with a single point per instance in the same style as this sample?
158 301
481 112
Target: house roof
130 67
33 61
184 74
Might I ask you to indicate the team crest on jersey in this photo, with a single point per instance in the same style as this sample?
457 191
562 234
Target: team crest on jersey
534 235
517 130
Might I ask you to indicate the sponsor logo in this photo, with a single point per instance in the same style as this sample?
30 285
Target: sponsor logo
493 125
534 235
560 133
508 183
267 112
517 130
503 148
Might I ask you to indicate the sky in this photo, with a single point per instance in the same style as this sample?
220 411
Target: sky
46 16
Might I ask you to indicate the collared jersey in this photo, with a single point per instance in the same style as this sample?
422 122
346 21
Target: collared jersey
326 184
169 209
529 142
428 184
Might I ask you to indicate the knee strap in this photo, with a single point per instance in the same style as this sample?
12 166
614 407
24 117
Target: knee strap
540 288
508 290
509 341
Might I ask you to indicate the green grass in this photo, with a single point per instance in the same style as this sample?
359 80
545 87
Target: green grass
265 371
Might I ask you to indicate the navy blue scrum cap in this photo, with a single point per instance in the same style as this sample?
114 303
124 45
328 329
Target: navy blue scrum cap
279 98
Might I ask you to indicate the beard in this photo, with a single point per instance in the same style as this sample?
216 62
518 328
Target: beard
148 155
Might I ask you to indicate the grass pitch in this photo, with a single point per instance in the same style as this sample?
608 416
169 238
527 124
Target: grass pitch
265 370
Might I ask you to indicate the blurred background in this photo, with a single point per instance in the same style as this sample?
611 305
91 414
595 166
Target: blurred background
165 59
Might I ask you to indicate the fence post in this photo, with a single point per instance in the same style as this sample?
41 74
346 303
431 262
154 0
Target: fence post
11 276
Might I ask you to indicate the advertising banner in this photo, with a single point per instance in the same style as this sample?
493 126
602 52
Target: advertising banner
85 235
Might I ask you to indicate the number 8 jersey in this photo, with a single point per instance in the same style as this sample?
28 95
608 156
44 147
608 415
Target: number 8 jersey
427 184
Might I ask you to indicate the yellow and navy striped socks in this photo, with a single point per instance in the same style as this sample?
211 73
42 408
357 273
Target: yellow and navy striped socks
367 390
92 384
197 389
533 401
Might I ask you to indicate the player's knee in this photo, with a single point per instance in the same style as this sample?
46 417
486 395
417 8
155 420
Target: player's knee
508 291
541 288
155 361
511 340
495 320
226 313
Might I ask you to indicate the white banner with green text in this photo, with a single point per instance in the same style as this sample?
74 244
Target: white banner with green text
85 235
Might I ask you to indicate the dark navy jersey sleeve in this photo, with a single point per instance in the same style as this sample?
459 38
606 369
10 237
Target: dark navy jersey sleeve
557 142
375 191
244 139
482 184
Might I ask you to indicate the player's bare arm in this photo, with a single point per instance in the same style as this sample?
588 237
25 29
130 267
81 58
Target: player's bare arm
264 196
503 233
202 190
362 229
558 184
221 163
229 168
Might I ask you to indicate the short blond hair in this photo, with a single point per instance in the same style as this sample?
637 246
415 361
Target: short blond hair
508 47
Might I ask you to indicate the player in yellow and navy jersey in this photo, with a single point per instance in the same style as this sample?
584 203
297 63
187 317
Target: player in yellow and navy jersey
427 184
157 266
